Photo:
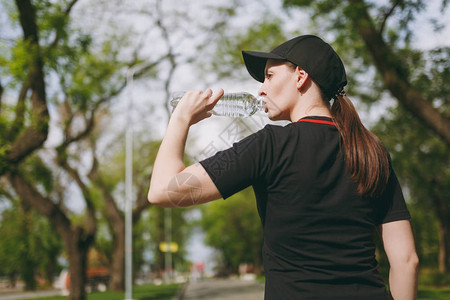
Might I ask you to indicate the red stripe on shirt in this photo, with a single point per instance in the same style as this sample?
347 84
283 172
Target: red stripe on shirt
317 121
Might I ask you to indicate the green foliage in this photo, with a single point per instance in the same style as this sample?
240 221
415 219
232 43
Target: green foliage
4 148
233 228
81 75
97 197
112 164
148 232
104 242
29 245
405 11
435 78
425 229
421 157
52 19
154 225
336 20
37 171
321 6
140 243
434 279
21 57
86 74
11 241
91 79
421 160
418 155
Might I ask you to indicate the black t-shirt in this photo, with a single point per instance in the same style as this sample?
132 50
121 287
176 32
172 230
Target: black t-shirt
318 233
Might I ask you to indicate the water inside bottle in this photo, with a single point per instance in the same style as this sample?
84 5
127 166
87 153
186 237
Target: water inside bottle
237 105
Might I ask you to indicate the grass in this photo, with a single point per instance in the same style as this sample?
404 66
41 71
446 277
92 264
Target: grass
433 285
144 292
433 293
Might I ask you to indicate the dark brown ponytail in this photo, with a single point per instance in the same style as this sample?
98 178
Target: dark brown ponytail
365 157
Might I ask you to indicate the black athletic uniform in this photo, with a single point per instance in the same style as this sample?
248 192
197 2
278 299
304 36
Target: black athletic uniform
318 233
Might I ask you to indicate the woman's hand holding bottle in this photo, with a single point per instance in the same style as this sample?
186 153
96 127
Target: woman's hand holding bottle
195 106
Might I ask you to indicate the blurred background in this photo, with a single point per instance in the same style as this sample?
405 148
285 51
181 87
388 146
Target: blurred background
78 76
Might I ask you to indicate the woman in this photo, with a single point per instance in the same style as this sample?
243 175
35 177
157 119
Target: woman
323 183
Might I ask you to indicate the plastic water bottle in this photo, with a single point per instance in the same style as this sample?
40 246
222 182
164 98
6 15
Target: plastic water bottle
237 105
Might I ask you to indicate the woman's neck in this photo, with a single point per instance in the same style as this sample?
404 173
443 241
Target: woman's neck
310 107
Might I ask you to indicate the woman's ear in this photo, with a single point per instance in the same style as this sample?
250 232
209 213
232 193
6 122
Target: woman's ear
302 76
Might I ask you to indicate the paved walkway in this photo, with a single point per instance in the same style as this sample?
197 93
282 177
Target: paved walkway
224 289
29 295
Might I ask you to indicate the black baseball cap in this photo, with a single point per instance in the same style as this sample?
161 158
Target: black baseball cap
310 53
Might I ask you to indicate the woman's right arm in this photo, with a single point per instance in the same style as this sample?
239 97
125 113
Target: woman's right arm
172 183
399 245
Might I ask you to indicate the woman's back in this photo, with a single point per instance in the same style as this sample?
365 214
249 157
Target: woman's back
318 231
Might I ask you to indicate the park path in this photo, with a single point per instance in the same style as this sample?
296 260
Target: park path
29 295
210 289
224 289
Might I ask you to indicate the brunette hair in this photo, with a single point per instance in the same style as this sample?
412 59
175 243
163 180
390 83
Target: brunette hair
365 156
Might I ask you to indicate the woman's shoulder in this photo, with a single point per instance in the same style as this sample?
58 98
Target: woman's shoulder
275 131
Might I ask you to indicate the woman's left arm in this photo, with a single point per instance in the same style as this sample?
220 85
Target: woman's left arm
172 183
399 245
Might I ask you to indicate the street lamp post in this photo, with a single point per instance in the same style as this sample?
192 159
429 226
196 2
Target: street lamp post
129 196
129 188
168 236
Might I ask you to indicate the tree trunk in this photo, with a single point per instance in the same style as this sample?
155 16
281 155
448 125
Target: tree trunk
76 240
446 239
28 269
33 136
117 224
441 258
77 248
50 272
443 213
160 259
117 281
12 278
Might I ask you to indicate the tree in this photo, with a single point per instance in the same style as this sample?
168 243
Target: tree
233 228
29 246
422 159
88 77
179 235
19 138
111 172
26 129
106 180
87 81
